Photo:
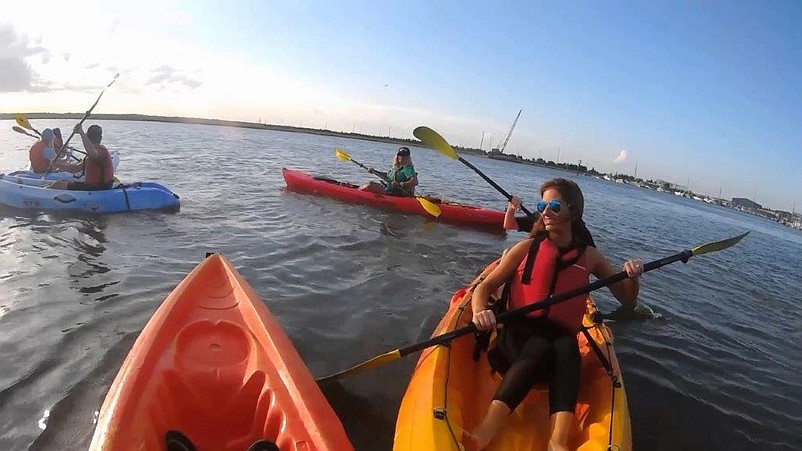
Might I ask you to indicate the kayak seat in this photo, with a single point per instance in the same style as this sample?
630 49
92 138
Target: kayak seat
263 445
213 386
176 441
209 409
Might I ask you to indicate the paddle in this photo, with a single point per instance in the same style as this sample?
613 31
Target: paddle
83 119
433 139
430 207
22 121
624 313
551 300
20 130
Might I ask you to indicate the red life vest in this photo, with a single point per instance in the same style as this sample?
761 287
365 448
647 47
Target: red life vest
38 161
547 270
99 173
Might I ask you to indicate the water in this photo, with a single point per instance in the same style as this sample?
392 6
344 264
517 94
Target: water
719 370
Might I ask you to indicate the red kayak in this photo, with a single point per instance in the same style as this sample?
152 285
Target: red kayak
346 192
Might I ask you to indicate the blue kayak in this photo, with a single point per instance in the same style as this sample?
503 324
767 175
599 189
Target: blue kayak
30 194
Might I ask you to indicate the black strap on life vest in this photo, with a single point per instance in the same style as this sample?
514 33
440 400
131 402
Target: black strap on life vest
526 277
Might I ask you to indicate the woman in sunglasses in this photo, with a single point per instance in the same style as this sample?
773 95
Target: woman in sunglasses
527 223
400 180
556 257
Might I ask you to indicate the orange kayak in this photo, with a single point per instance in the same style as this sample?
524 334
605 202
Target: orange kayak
449 392
213 368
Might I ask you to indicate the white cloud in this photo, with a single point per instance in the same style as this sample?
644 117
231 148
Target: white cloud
16 74
163 71
621 158
165 76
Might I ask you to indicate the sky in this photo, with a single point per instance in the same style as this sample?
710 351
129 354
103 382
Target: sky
700 92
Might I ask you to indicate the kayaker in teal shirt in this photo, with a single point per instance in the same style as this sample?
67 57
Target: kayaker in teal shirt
401 179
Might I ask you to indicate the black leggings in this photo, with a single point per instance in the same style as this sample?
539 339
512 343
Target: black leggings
536 351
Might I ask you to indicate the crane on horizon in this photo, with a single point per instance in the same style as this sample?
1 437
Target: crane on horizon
503 145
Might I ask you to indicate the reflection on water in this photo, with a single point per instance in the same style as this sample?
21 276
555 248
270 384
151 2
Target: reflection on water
86 270
719 370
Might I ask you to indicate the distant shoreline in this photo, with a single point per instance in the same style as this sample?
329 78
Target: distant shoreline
225 123
555 166
778 215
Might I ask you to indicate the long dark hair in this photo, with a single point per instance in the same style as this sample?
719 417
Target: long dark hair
572 195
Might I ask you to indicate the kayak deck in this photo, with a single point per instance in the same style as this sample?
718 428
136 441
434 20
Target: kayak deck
449 211
214 364
449 392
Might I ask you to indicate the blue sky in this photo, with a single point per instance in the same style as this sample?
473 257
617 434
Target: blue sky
708 92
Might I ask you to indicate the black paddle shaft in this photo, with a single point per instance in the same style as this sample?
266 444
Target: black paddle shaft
548 302
491 182
66 143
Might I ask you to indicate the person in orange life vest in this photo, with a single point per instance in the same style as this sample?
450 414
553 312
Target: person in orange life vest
542 345
97 166
42 152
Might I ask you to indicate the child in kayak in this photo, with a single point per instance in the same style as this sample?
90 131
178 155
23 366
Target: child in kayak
401 178
542 346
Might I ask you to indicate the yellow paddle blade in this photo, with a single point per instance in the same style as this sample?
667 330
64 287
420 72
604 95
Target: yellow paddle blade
340 153
432 139
379 360
430 207
23 121
718 245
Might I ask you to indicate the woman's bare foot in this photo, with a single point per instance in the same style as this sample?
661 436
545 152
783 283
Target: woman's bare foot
473 441
479 438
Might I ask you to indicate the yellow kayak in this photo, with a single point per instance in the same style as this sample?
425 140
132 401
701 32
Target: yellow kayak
449 392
